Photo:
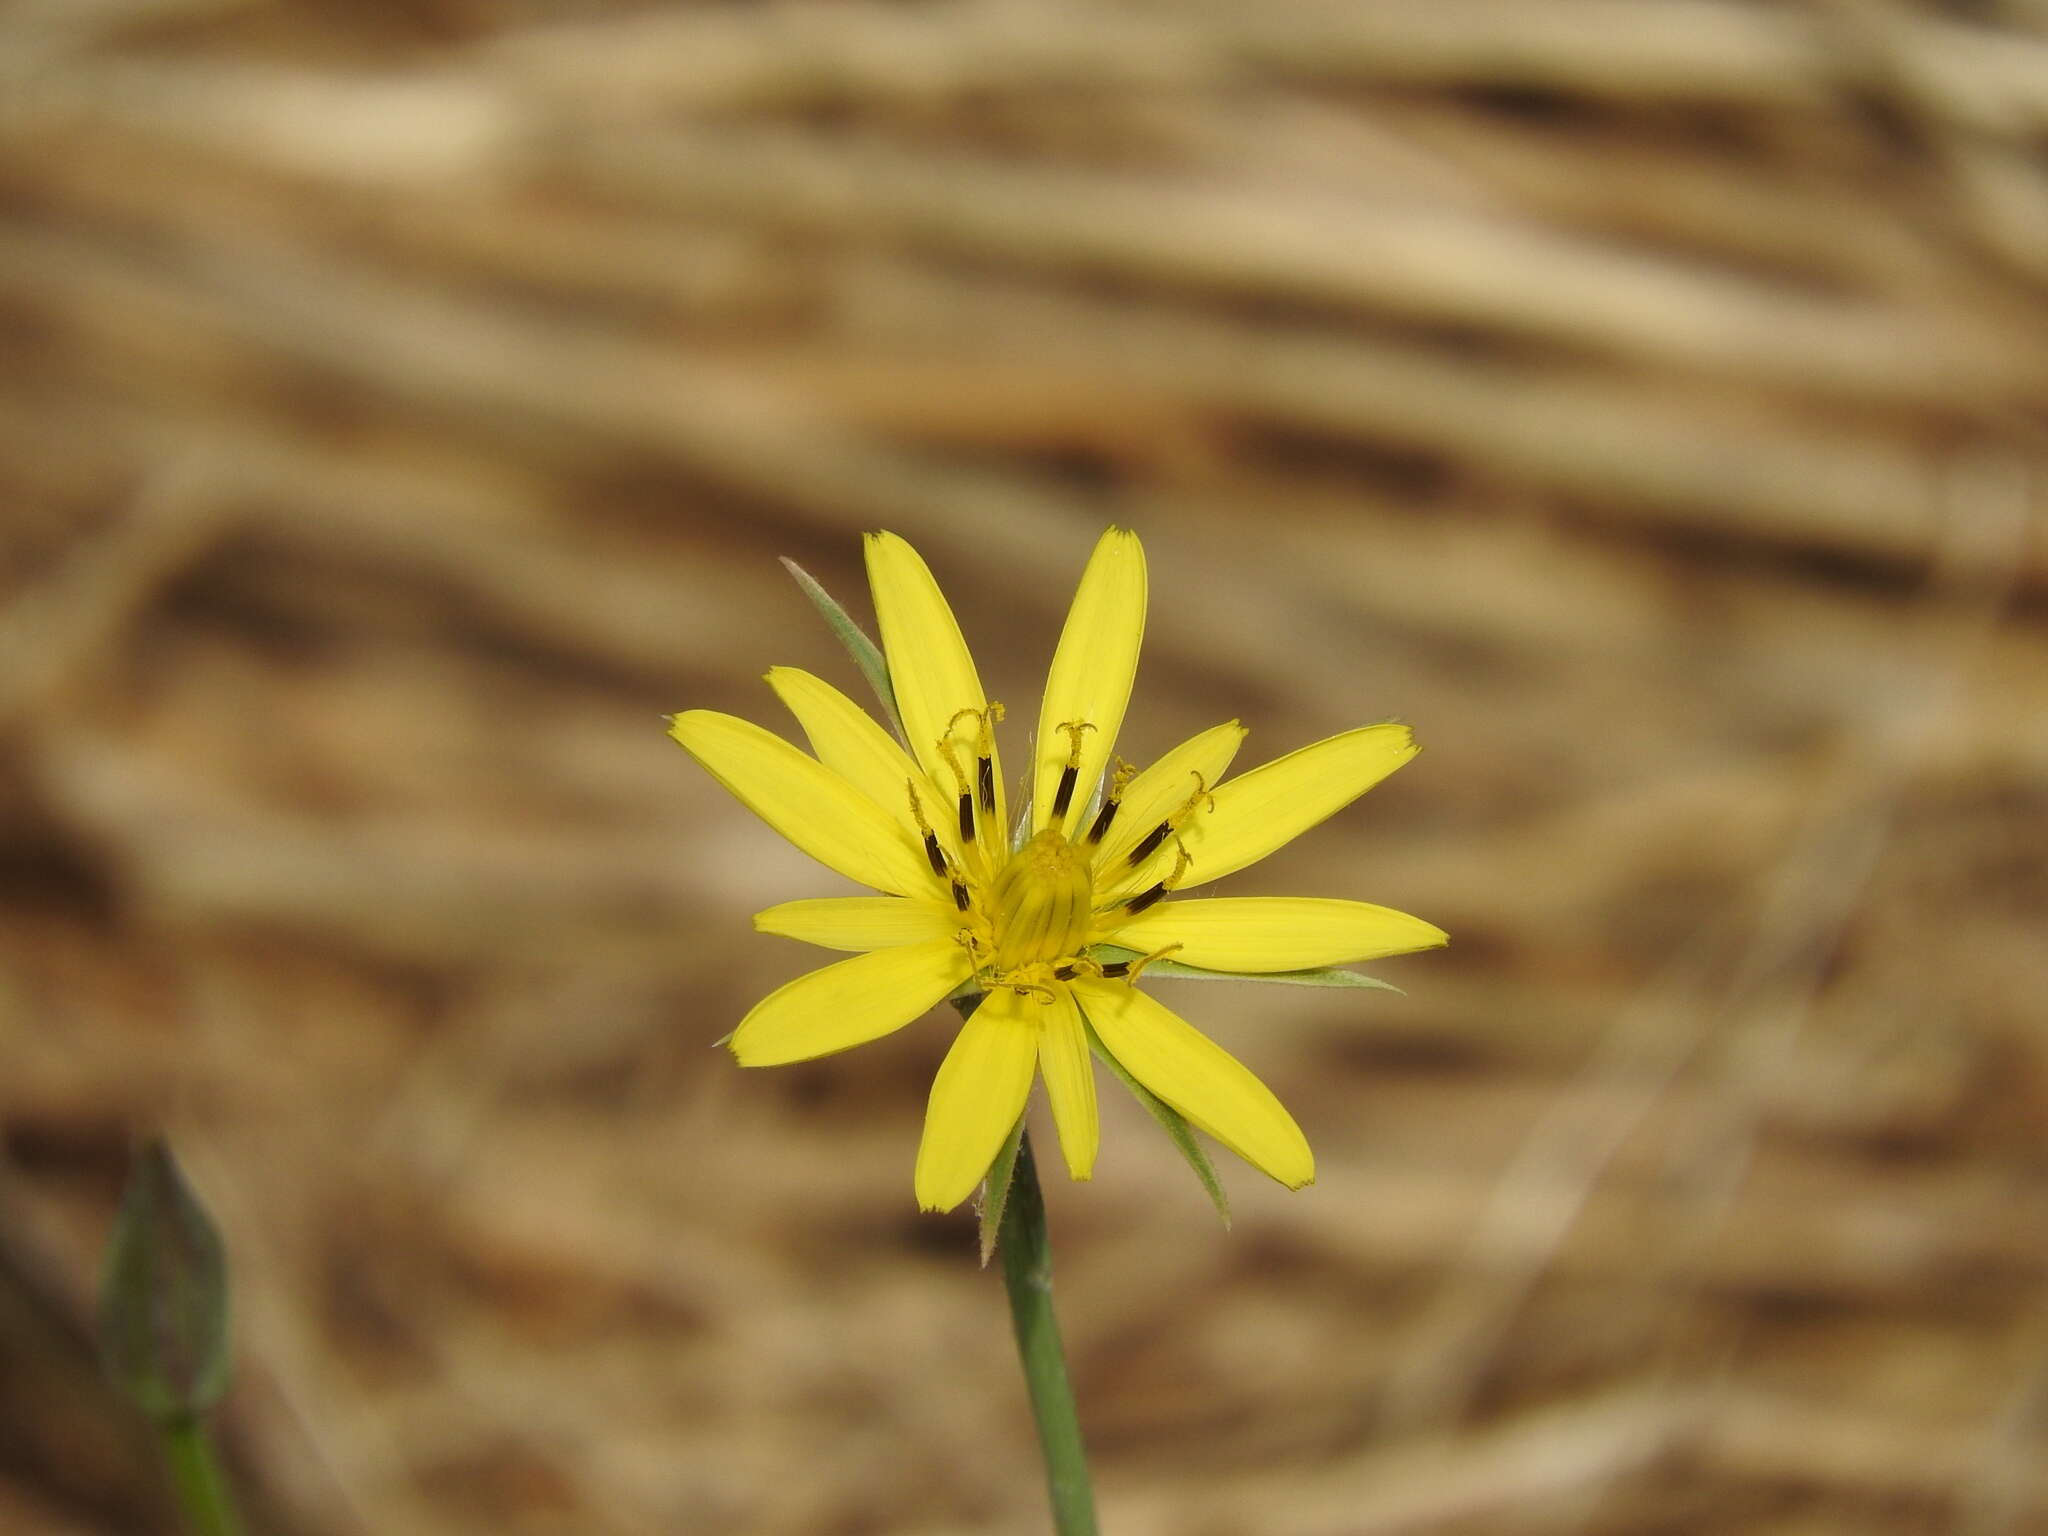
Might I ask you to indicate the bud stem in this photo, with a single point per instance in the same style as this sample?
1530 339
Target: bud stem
197 1478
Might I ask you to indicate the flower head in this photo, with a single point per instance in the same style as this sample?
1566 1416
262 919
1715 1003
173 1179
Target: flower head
1032 920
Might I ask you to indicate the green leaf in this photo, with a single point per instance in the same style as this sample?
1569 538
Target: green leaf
1178 1131
163 1315
995 1193
1321 976
865 653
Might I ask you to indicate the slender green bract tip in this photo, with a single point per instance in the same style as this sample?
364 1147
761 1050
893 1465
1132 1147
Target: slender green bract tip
865 653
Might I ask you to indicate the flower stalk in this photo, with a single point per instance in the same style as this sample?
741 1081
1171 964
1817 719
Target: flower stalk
1027 1275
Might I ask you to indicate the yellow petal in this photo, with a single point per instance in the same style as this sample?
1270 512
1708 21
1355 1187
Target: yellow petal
850 743
1276 802
976 1098
929 664
1091 674
1199 1078
848 1003
1277 933
1161 790
1069 1073
806 802
860 922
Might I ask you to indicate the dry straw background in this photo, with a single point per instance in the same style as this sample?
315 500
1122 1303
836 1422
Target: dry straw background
403 405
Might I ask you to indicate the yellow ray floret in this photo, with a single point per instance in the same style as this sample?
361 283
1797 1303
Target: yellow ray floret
860 922
848 1004
976 1098
1199 1078
815 808
1277 933
1090 681
1252 815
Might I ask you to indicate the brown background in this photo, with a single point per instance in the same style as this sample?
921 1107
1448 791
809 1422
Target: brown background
402 407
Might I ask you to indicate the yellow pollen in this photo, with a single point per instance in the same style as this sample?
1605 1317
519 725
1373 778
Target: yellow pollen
1040 903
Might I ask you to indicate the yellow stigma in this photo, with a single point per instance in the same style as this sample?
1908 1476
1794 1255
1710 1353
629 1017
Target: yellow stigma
1040 903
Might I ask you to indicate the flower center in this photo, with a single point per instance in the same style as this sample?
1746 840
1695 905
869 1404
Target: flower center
1040 903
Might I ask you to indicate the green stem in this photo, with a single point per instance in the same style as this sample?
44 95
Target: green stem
197 1478
1027 1275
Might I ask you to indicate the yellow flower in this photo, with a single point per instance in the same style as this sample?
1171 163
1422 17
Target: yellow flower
968 906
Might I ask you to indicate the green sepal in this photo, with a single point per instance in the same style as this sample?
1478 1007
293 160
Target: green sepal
1320 976
163 1313
865 653
1177 1129
995 1192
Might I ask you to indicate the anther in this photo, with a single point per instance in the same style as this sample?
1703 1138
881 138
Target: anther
932 851
1103 818
960 898
1071 773
1117 780
1175 822
1150 841
1145 898
1116 968
985 749
985 765
1151 894
1064 795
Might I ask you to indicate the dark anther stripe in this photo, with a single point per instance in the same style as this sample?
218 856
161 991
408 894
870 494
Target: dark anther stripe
1144 899
959 895
967 818
1150 841
986 779
1117 968
1102 820
1064 795
931 852
1064 973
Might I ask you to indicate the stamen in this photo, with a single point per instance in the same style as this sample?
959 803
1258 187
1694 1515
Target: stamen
1151 894
985 749
1064 796
932 852
1103 818
1122 775
1175 822
983 785
1145 898
1149 842
960 898
1130 969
